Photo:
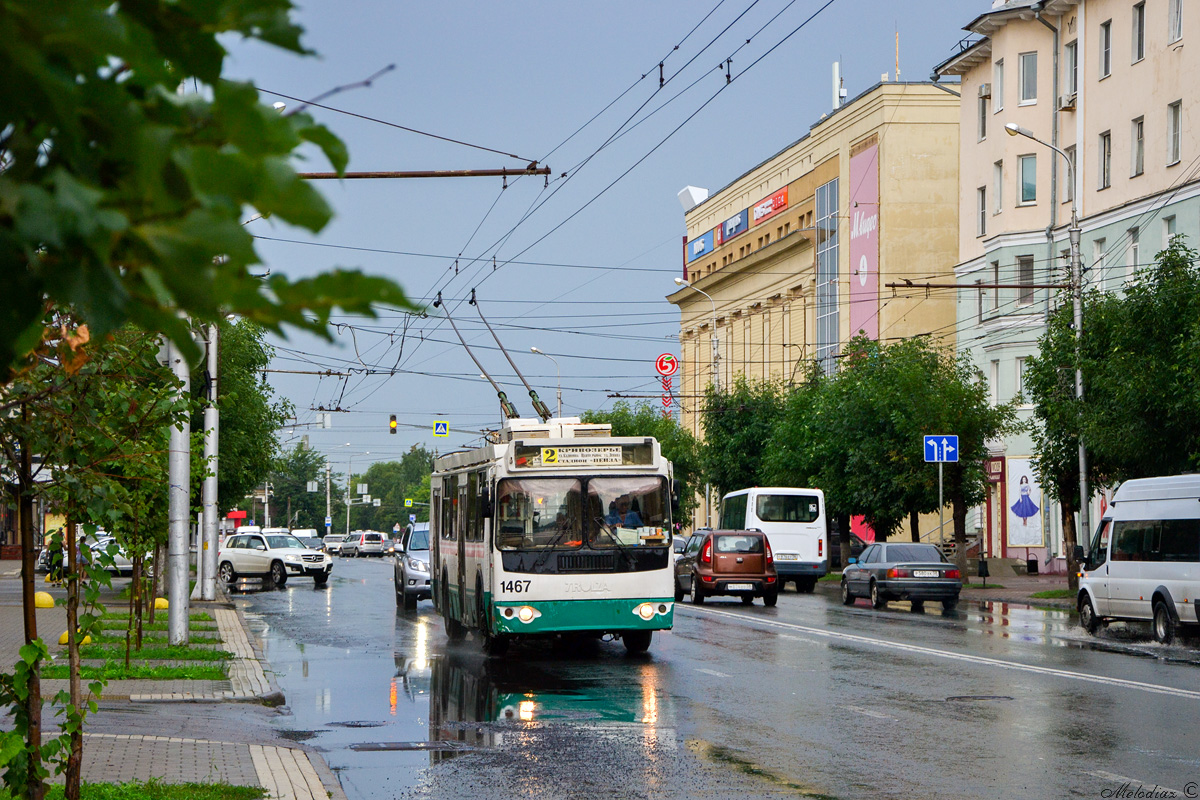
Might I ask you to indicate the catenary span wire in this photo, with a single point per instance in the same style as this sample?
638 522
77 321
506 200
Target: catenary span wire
559 185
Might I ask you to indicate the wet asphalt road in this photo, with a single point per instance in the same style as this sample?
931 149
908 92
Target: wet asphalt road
808 698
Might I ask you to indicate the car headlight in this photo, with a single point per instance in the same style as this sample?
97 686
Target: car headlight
291 557
419 566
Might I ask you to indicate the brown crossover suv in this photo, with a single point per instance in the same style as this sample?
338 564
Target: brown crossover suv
735 563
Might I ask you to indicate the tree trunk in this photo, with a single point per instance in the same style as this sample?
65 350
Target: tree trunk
1069 541
35 787
843 523
914 525
75 754
134 591
958 514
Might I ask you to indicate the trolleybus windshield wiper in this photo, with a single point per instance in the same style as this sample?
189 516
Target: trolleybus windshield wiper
612 535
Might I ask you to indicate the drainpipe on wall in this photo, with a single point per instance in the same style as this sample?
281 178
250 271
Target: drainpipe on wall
1037 12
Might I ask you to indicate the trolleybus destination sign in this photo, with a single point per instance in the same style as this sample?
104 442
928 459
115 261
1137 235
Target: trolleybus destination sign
606 456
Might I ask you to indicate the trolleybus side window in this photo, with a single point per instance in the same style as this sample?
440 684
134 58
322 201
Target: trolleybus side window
435 511
627 511
472 532
450 508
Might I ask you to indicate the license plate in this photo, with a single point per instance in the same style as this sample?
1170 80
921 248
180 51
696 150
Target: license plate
740 587
787 557
926 573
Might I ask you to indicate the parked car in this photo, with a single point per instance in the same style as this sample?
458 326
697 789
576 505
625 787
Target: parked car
857 545
276 555
727 562
901 571
1144 560
333 543
363 543
92 546
412 566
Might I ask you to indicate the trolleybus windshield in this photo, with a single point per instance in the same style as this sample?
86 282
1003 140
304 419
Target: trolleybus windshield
542 513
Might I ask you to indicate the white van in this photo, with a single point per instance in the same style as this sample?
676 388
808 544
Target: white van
794 522
1144 560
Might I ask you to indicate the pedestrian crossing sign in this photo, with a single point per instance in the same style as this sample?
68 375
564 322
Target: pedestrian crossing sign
441 428
408 502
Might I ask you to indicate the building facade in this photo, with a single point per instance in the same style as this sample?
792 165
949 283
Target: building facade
796 254
1109 83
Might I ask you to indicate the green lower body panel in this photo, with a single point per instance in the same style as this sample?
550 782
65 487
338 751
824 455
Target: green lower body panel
552 616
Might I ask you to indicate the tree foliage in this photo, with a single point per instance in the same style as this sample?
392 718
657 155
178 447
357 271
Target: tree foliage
251 414
124 198
737 424
677 443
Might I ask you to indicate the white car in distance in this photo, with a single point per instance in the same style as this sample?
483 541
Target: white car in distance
276 556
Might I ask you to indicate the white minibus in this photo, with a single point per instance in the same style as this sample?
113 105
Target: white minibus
1144 559
793 520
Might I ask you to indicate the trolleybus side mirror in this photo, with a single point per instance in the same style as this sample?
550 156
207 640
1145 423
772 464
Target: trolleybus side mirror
675 492
485 501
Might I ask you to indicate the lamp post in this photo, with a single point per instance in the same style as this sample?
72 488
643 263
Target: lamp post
716 377
716 345
1073 232
559 373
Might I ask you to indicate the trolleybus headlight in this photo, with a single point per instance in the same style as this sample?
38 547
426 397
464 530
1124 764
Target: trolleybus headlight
528 613
647 610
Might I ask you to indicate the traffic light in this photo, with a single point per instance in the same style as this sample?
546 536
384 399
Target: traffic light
392 423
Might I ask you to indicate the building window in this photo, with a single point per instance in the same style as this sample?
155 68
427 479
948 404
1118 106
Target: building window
1028 78
1174 21
1133 253
1027 179
998 84
1098 268
1022 362
1139 32
1105 49
983 115
1174 132
994 382
1105 159
981 205
1025 280
998 185
995 282
1071 176
826 233
1168 230
1071 67
1137 146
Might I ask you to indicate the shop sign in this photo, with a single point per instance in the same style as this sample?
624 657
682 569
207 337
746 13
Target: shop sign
770 206
734 226
700 246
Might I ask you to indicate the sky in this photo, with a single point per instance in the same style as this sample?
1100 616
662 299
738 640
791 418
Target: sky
579 264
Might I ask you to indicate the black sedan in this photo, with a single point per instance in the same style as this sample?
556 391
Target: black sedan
901 571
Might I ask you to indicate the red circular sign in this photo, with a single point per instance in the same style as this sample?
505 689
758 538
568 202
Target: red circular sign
666 365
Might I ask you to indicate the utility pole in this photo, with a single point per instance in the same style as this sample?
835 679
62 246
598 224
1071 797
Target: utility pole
209 500
179 481
328 506
267 504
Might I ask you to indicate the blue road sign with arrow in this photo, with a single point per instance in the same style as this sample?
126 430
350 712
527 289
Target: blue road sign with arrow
941 447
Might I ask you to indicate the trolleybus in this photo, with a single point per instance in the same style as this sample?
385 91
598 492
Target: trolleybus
555 529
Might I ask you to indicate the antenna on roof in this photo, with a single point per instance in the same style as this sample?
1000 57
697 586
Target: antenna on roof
508 408
538 405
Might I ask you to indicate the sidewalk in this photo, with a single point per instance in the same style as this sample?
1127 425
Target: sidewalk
286 773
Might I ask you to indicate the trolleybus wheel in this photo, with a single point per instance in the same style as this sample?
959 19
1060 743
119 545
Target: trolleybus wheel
637 641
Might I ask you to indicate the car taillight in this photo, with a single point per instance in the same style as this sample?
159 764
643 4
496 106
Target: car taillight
899 573
770 555
953 573
820 548
706 553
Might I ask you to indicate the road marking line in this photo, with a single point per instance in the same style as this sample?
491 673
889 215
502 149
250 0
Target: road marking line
1109 776
713 672
868 712
948 654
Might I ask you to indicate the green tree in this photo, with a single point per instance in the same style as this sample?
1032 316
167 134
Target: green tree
678 445
124 199
290 477
393 482
737 424
251 414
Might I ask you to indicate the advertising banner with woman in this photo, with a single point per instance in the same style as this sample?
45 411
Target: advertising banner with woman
1025 505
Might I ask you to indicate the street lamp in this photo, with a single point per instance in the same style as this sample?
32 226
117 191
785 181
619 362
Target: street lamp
1073 231
557 370
716 345
349 478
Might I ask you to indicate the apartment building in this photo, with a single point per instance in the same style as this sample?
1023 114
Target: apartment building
1111 85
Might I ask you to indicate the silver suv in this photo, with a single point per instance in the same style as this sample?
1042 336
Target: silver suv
363 543
412 566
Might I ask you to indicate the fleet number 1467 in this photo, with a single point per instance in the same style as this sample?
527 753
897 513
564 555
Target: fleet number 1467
516 587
